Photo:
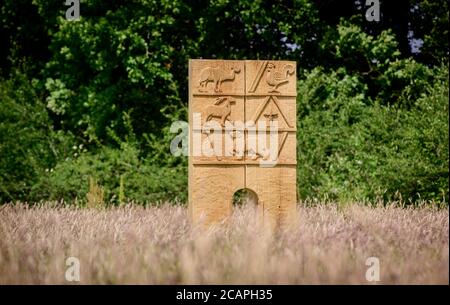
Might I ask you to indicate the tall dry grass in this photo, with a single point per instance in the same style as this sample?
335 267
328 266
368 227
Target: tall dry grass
157 245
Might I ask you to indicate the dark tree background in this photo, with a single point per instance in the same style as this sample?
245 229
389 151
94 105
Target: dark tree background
96 97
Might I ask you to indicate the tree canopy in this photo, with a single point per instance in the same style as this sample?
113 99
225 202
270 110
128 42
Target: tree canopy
96 97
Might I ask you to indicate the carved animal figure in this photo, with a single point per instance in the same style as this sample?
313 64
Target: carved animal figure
276 78
222 111
217 76
239 152
263 154
211 142
237 149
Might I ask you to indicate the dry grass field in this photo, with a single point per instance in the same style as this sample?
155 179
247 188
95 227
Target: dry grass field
157 245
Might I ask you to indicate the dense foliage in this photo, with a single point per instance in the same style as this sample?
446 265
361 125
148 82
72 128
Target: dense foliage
95 98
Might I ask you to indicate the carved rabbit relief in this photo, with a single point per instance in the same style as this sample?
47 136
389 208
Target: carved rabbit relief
242 118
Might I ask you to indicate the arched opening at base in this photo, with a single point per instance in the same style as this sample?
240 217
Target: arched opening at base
245 198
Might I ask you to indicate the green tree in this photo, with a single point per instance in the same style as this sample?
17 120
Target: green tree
372 111
28 145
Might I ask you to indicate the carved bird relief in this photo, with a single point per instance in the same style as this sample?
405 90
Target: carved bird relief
277 78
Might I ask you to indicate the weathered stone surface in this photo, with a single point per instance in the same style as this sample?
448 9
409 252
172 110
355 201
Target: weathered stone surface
238 101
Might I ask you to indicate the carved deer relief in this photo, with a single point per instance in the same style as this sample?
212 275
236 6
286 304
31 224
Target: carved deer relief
221 109
222 112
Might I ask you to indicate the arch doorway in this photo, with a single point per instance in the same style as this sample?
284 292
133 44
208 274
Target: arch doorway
245 203
245 197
